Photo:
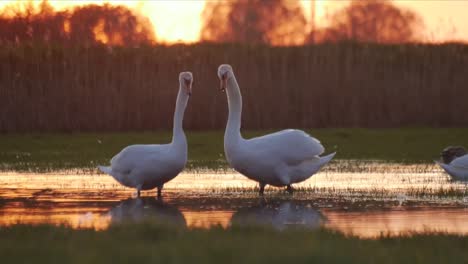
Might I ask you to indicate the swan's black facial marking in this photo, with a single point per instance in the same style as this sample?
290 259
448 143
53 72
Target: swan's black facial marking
224 73
223 83
188 86
186 81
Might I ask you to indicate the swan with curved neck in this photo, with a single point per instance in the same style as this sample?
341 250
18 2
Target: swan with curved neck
146 167
278 159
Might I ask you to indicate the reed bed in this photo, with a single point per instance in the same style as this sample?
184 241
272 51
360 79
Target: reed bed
101 88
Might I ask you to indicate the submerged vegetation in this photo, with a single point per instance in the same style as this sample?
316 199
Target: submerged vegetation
48 152
150 242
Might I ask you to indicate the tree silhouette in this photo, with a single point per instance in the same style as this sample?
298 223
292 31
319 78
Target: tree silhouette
371 21
114 25
23 21
89 24
276 22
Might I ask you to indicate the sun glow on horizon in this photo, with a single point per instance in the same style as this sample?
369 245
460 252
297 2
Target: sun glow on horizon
173 21
180 21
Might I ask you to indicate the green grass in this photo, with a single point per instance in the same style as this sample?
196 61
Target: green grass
42 152
145 243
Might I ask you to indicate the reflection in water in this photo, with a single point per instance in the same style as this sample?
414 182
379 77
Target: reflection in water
208 199
147 209
206 219
371 224
74 215
279 215
361 221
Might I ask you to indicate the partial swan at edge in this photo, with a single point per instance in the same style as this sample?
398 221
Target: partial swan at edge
455 162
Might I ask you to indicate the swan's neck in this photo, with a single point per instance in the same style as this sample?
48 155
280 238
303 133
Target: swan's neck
232 133
178 136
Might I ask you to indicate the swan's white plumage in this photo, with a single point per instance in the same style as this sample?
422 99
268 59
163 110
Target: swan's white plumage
278 159
457 169
145 167
291 146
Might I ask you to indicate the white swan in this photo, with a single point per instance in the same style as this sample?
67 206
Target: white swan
279 159
146 167
455 163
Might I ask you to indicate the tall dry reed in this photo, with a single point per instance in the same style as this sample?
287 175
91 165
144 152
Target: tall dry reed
52 88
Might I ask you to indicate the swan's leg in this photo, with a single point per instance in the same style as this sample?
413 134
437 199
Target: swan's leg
262 188
289 189
160 187
138 190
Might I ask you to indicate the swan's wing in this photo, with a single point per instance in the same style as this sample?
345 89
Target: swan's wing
460 163
291 146
134 156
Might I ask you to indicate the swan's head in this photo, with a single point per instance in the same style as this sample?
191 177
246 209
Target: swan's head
450 153
224 74
186 81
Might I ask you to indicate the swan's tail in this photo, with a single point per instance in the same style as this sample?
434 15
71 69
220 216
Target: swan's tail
445 167
325 159
105 169
442 165
309 167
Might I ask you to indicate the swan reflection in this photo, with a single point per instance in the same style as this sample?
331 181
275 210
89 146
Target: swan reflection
279 215
147 209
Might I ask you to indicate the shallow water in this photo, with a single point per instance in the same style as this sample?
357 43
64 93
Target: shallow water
366 201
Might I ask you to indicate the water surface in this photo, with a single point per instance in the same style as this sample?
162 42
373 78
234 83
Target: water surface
366 201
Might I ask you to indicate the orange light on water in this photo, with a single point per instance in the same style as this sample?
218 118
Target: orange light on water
207 219
72 217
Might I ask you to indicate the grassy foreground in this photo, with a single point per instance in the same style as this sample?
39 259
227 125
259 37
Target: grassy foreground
42 152
148 242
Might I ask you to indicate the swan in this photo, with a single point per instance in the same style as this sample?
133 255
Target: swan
146 167
455 162
278 159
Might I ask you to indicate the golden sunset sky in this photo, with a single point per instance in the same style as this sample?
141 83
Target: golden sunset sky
179 20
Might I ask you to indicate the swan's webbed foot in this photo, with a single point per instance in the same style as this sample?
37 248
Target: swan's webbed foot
160 190
289 189
262 189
